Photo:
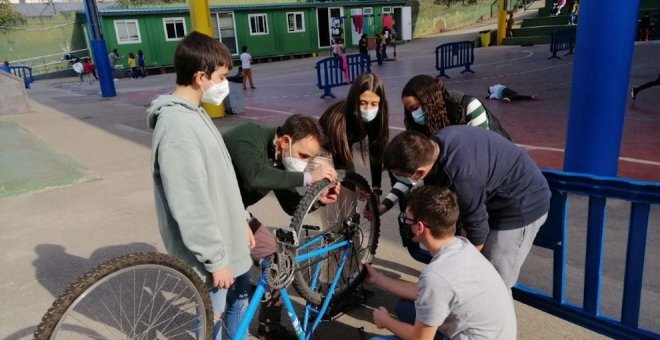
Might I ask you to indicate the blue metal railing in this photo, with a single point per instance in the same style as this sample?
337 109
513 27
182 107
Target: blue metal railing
562 40
332 71
451 55
23 72
553 235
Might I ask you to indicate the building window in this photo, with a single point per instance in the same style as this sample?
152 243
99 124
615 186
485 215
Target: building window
128 31
387 10
258 24
225 30
296 22
368 11
175 28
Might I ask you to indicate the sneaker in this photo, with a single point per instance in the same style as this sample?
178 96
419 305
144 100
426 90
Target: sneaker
252 87
633 93
277 333
506 99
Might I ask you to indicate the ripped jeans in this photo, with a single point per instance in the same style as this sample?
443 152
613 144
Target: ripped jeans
232 303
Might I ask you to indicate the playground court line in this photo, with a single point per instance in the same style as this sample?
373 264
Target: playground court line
524 146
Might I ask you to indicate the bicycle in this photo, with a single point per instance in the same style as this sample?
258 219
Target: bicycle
320 253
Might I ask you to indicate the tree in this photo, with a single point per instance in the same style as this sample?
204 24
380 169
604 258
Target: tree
8 16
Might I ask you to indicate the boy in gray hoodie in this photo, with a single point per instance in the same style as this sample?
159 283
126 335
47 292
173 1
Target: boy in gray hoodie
200 213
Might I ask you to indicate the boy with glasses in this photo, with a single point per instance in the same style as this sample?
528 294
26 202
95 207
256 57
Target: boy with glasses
459 294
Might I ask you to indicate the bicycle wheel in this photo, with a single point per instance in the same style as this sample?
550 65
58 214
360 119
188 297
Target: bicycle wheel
335 222
135 296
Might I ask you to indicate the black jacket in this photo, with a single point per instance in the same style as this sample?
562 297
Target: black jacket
497 183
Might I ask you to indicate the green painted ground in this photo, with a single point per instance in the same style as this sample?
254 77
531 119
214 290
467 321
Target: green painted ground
28 164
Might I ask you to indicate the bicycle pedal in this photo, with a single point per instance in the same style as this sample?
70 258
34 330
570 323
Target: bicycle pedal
311 227
286 236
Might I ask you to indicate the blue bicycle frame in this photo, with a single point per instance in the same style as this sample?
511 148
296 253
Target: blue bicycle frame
303 330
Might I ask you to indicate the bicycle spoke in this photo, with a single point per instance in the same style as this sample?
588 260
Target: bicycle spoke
112 308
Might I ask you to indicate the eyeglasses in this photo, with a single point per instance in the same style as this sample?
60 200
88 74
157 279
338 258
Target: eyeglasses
403 219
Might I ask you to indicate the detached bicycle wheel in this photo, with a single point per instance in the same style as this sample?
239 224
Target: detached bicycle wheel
333 223
135 296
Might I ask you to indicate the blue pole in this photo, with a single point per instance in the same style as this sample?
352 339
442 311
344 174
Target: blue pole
599 93
99 50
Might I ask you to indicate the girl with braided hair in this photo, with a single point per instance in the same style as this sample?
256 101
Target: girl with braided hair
429 106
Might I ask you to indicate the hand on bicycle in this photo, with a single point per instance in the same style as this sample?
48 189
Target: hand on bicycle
373 276
381 315
223 278
322 172
369 215
330 195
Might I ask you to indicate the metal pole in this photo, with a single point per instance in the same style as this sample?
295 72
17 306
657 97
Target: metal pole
99 50
599 93
200 17
501 21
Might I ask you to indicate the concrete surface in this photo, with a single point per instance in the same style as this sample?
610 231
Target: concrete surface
12 95
28 164
49 237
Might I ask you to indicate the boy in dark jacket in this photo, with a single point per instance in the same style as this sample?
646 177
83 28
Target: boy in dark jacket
503 197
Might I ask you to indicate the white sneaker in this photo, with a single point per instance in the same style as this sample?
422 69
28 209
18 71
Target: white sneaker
116 79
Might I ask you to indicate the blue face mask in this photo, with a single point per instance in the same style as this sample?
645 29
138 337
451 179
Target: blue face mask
369 115
419 116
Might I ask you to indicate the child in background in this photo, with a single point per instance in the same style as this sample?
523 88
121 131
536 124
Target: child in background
141 66
90 69
78 67
503 93
336 47
509 25
132 65
574 12
246 66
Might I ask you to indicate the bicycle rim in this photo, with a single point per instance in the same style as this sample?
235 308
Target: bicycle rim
136 296
328 225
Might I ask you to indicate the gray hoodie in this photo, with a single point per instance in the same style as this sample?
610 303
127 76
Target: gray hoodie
200 212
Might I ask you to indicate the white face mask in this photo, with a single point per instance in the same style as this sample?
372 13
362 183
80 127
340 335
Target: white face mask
217 93
419 116
369 115
292 163
406 180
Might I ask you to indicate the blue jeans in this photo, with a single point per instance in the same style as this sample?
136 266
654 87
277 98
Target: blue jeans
405 312
233 303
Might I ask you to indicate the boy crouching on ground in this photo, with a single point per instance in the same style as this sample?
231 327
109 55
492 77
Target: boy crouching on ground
459 294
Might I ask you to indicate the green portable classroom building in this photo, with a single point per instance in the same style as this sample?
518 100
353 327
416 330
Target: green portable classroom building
270 30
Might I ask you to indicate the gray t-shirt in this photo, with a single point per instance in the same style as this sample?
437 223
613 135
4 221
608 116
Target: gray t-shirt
462 293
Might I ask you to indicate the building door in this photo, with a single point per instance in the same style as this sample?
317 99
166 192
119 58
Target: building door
330 23
403 23
225 30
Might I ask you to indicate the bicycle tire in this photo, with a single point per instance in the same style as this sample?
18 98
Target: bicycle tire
54 323
302 283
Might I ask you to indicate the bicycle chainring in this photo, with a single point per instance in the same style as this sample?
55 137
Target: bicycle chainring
281 271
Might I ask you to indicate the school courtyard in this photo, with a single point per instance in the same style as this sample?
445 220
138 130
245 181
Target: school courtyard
89 197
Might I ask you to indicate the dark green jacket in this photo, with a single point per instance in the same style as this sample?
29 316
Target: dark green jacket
252 152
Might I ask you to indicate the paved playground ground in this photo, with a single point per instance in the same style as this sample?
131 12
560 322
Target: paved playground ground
53 235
